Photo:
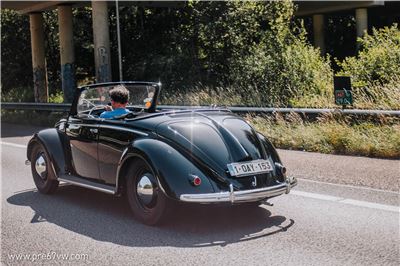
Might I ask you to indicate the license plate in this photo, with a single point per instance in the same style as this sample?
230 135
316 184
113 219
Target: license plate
249 168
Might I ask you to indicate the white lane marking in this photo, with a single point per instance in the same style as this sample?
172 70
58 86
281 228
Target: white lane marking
13 144
315 196
349 186
358 203
371 205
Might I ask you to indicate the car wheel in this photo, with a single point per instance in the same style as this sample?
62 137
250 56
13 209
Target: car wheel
42 171
147 201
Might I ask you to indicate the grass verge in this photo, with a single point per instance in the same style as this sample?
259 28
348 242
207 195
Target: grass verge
327 135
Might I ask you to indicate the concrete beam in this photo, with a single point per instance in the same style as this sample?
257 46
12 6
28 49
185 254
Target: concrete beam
66 52
26 7
101 40
40 88
319 33
306 8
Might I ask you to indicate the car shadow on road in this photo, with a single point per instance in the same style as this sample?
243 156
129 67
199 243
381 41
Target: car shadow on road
107 218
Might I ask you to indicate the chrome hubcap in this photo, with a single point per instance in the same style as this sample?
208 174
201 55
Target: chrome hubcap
145 190
40 166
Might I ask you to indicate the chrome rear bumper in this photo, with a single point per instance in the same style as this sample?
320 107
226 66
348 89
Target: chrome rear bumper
242 196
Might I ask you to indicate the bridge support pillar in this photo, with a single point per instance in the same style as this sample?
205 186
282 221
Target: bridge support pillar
361 21
101 40
40 88
319 34
66 52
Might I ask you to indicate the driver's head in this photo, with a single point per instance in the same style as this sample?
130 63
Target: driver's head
119 95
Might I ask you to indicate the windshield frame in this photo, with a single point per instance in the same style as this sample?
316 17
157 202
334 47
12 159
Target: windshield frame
151 109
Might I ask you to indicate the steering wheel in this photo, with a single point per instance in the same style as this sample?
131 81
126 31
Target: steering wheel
95 108
88 102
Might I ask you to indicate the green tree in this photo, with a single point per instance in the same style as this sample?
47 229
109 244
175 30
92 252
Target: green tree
16 60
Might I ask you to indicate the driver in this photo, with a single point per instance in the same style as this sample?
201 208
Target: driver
119 99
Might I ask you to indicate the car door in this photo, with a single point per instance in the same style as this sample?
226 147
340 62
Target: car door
83 137
114 138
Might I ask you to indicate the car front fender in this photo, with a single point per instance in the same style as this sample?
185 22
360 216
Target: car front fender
52 142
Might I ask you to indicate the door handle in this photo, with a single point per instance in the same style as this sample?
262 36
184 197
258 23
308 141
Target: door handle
94 130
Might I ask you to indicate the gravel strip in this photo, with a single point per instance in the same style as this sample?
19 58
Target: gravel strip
341 169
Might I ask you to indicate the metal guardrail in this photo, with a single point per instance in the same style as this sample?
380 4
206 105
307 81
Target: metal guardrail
61 107
53 107
311 111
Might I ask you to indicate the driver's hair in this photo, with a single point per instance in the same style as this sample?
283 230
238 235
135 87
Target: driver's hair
119 94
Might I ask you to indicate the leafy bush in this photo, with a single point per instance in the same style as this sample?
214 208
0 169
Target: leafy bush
18 94
307 75
58 97
378 59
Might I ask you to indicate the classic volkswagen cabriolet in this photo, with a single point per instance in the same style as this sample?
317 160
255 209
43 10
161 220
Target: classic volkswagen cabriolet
156 157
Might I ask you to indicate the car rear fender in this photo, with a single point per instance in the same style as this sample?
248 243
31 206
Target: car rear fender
269 148
51 140
174 171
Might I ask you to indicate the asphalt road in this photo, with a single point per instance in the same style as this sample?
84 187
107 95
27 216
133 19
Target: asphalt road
317 224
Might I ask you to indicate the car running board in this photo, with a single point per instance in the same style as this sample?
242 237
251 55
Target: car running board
74 180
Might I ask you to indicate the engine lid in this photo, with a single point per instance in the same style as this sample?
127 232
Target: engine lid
218 139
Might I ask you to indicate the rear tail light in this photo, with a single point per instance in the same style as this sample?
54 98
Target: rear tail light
195 180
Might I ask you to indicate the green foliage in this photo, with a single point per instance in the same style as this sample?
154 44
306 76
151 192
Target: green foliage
246 47
58 97
248 55
378 96
18 94
378 59
16 61
209 52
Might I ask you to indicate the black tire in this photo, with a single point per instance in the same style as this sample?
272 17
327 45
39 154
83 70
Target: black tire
154 212
46 182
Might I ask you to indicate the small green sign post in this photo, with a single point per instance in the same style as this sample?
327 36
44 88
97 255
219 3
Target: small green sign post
342 91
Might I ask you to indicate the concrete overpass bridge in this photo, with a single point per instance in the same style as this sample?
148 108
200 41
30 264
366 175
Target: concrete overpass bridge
101 40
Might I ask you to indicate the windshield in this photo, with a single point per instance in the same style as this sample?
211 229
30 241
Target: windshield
140 97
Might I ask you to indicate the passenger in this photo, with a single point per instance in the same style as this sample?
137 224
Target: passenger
119 99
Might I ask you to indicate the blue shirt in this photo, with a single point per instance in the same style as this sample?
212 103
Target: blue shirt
115 112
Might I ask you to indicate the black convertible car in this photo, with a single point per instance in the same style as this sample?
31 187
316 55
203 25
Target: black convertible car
157 158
